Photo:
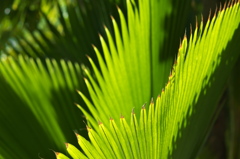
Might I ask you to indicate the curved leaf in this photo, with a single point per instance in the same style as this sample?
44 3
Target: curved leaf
185 106
37 102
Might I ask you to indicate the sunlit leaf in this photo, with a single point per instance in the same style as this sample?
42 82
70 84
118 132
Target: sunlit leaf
185 105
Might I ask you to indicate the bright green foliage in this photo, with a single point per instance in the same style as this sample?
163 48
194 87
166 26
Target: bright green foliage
130 63
56 84
60 155
37 93
124 141
202 77
158 131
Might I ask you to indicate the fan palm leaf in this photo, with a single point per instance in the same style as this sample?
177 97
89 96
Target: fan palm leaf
128 65
186 104
44 89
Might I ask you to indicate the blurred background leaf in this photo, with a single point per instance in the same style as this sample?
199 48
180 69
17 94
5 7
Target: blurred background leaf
37 93
64 31
37 102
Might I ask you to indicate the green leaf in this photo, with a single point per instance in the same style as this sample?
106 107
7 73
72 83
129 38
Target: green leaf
74 152
129 62
37 100
184 107
215 56
64 30
60 156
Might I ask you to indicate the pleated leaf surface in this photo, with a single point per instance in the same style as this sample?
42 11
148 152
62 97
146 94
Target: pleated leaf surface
184 111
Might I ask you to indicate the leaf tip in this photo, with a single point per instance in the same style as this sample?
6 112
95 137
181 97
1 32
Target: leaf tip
133 110
144 106
100 123
88 129
76 134
56 153
118 8
76 104
100 36
185 35
112 18
93 46
196 22
77 91
105 28
80 93
88 55
66 144
152 101
163 91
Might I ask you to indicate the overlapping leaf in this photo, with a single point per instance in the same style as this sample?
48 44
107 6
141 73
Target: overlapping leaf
39 97
64 30
184 111
126 70
37 101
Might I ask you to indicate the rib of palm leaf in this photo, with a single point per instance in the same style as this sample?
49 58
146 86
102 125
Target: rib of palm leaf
192 78
48 93
204 110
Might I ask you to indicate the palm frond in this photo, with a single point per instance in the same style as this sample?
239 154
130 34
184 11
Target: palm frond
44 92
65 30
165 130
128 62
